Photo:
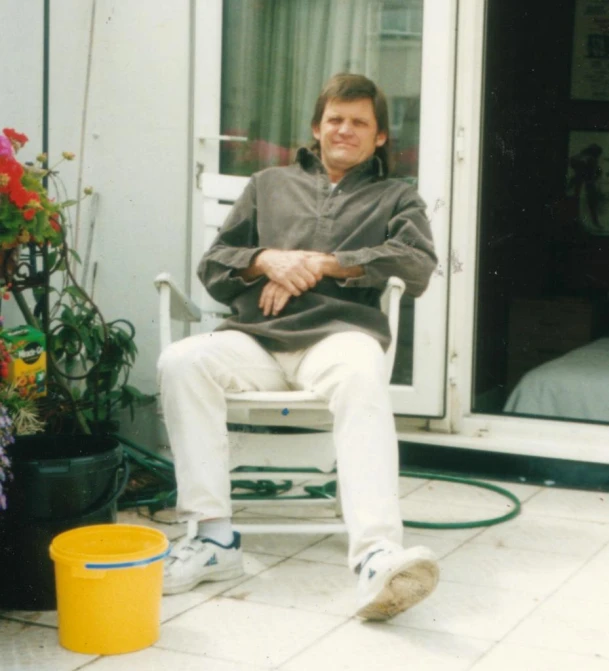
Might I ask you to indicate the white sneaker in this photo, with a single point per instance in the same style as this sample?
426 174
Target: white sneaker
391 581
193 560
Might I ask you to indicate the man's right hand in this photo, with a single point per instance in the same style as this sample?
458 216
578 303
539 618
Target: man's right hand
288 268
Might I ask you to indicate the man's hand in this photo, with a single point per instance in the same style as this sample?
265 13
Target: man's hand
297 271
290 269
273 298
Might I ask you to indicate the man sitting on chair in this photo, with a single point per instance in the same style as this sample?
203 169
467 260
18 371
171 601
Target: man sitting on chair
302 260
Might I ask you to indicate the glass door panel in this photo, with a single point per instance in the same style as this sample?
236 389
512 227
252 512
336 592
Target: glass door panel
274 58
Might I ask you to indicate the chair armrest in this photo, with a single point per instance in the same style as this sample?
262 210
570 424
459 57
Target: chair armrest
173 304
390 304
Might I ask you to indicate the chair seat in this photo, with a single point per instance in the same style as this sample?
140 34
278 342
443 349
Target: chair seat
277 399
279 408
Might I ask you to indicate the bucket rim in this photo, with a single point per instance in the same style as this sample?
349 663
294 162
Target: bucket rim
128 564
64 547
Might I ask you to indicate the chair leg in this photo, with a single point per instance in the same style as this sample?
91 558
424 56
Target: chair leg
338 507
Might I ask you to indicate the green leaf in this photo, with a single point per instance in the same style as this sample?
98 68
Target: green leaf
75 254
75 292
137 396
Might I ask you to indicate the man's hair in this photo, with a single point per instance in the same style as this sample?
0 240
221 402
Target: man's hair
346 87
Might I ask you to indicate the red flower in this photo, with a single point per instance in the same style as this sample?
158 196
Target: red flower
29 214
20 196
14 136
13 169
54 222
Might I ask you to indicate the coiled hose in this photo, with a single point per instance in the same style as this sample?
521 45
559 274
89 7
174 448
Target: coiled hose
161 493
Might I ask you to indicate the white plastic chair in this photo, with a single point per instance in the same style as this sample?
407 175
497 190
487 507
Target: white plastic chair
277 409
294 450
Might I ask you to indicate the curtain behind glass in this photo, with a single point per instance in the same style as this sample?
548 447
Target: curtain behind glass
277 54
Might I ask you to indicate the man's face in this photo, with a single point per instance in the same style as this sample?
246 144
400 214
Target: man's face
347 134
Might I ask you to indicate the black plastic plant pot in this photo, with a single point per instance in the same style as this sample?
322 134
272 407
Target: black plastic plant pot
59 482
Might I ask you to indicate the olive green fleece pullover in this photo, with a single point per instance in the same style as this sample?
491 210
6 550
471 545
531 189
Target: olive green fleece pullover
366 219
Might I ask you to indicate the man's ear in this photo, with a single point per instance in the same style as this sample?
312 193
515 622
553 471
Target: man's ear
316 133
381 138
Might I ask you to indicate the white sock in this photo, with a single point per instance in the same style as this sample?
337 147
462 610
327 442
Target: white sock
219 530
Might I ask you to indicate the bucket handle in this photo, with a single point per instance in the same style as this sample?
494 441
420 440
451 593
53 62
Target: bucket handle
107 502
130 564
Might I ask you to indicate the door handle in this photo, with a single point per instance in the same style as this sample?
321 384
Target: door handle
221 138
200 167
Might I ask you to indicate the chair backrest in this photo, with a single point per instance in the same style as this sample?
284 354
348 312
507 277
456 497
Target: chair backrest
218 194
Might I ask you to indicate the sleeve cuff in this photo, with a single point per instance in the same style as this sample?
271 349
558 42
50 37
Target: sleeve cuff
242 258
360 257
353 258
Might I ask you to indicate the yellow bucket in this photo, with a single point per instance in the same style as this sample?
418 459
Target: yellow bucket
109 581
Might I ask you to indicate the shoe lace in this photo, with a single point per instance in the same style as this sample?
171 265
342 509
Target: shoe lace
187 546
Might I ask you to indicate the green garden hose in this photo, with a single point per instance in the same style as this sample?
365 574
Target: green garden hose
472 483
264 489
162 492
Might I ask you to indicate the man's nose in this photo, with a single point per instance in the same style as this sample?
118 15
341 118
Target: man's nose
346 128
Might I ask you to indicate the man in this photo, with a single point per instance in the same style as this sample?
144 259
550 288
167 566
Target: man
302 260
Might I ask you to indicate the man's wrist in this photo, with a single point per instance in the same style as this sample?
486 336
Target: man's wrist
254 270
332 268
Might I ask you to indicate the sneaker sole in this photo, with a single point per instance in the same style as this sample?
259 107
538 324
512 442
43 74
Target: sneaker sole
229 574
402 590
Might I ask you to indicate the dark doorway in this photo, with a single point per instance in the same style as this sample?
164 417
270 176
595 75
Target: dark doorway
543 257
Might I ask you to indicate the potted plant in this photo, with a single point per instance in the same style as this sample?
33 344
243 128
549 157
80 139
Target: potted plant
69 414
89 358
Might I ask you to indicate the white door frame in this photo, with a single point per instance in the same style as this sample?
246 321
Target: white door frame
426 396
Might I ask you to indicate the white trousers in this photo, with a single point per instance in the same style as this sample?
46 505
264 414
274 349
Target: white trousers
347 369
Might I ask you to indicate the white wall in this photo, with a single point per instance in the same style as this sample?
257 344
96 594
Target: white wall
21 53
21 85
119 99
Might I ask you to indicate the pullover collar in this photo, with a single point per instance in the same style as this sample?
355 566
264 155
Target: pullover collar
311 162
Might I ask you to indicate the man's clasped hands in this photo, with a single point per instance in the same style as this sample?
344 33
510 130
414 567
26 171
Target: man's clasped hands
291 273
